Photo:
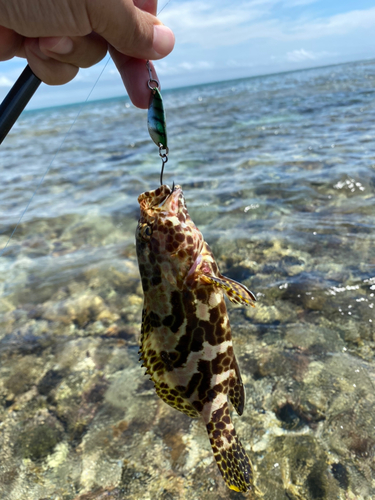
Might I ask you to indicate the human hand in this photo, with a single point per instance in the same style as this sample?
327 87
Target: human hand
57 37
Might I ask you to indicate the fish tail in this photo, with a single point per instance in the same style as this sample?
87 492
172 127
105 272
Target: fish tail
230 455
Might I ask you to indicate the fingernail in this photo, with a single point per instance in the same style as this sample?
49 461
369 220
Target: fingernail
163 40
58 45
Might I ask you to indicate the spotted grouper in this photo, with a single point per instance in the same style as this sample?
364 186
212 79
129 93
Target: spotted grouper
186 342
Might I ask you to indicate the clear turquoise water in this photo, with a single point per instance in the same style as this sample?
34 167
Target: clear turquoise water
279 175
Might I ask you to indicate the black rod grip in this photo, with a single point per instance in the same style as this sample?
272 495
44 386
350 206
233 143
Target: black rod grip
16 100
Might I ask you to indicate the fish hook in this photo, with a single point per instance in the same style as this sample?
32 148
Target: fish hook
163 153
170 194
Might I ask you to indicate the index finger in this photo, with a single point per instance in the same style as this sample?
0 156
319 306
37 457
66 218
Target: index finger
133 71
134 74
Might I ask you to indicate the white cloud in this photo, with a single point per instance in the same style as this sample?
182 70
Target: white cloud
339 24
230 24
198 23
5 82
300 55
164 67
235 63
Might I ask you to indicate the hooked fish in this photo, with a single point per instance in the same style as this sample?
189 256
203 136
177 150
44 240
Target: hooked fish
186 342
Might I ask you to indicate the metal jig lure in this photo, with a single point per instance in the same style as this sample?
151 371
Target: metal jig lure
156 123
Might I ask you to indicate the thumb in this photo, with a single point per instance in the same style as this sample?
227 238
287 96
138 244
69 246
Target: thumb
129 29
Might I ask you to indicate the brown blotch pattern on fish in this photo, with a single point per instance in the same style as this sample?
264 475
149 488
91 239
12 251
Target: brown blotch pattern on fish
186 343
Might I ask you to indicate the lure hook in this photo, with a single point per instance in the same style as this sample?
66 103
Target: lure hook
163 153
173 188
162 172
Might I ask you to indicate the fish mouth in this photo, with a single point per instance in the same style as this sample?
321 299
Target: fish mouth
170 202
163 198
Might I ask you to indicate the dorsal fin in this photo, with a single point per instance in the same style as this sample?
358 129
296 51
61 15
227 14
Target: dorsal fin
236 292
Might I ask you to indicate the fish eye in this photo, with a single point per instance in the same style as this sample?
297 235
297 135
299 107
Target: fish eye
145 231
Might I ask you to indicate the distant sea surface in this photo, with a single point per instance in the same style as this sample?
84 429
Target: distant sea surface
279 175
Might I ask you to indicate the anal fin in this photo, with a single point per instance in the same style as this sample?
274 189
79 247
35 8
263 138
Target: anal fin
178 403
237 395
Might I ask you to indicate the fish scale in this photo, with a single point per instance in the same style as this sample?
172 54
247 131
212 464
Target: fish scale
186 342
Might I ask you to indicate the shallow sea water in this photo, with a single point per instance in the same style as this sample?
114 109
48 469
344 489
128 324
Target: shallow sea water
279 174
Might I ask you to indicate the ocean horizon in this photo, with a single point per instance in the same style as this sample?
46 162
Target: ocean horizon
197 85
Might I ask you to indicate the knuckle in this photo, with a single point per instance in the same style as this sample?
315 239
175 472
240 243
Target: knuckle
53 72
88 52
65 75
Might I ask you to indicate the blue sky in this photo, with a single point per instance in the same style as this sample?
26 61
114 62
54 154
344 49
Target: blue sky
225 39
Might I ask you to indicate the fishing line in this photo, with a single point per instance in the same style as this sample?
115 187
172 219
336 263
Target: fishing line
54 157
59 149
161 10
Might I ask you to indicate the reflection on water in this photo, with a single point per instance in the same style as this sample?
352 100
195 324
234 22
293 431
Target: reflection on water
278 173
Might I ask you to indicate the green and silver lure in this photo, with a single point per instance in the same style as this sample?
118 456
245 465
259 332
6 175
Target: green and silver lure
156 123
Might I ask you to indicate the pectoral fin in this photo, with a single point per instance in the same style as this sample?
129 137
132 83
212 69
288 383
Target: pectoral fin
236 292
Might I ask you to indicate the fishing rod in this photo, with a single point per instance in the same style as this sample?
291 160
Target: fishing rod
16 100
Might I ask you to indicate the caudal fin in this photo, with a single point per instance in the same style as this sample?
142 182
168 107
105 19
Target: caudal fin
230 455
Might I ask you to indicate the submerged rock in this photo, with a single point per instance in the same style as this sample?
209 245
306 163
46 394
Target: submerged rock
38 437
